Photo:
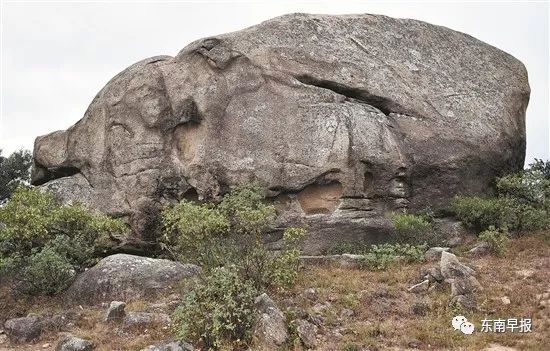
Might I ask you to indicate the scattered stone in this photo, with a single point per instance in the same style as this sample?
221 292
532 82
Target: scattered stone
505 300
144 320
307 333
46 345
115 312
321 307
127 277
463 284
481 249
420 288
347 313
433 274
270 330
24 329
311 294
525 273
171 346
434 253
72 343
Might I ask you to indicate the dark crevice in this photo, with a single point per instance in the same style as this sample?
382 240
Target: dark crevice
42 175
385 105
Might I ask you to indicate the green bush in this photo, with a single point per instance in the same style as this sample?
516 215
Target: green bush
477 212
46 272
219 310
37 229
194 232
415 228
522 202
380 257
496 238
231 234
227 241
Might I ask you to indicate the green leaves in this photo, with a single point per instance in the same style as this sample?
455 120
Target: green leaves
218 309
39 235
14 171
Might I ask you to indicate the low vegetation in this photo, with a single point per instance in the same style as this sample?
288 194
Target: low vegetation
226 240
380 257
44 243
15 170
522 203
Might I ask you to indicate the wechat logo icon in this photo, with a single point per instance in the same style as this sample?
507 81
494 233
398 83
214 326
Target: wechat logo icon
462 324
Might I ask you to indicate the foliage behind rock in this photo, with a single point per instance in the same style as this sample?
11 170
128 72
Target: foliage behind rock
43 243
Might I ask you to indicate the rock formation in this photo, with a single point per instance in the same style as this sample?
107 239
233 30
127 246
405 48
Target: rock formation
339 118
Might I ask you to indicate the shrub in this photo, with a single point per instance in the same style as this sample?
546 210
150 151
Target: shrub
195 232
415 228
477 212
231 234
227 240
218 310
46 272
496 238
285 269
522 202
14 171
380 257
37 229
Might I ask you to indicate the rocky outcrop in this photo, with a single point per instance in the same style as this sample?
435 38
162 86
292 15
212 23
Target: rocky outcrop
270 329
24 329
128 277
339 118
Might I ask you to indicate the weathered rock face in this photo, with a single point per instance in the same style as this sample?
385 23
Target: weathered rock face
128 277
339 118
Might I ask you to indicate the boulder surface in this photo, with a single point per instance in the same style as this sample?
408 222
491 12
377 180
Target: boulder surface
339 119
128 277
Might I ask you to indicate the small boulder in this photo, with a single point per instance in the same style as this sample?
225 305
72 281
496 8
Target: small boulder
311 294
128 277
270 330
434 253
138 321
24 329
307 333
420 288
171 346
463 284
481 249
72 343
115 312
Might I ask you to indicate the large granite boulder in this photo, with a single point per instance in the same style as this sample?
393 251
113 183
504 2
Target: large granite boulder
339 118
128 277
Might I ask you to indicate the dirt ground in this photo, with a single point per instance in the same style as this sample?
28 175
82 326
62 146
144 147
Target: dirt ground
362 310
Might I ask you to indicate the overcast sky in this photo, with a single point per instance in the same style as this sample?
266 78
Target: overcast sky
57 55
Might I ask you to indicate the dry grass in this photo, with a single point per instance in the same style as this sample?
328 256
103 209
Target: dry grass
383 317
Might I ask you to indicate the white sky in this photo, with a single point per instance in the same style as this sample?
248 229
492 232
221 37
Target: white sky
57 55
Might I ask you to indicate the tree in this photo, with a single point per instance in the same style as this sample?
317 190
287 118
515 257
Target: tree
14 171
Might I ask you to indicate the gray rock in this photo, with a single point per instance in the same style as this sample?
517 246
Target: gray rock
481 249
307 333
419 288
339 118
72 343
464 285
139 321
128 277
270 329
115 312
24 329
434 253
171 346
311 294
